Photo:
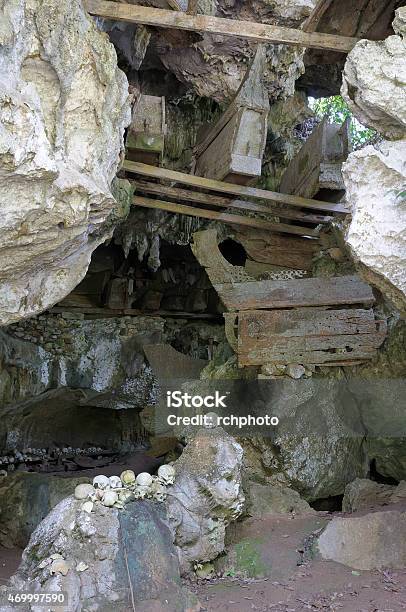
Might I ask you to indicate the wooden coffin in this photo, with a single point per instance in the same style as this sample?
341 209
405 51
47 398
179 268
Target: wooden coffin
146 135
317 166
233 148
295 293
307 336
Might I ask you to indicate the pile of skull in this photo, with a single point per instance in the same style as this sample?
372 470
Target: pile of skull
116 491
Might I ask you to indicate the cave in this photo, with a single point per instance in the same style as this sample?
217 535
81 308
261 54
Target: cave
202 305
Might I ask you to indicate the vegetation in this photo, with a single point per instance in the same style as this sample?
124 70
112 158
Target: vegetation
337 111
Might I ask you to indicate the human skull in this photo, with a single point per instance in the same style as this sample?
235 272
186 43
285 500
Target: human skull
144 480
101 482
128 478
87 506
158 491
109 498
115 482
125 496
83 491
141 492
166 474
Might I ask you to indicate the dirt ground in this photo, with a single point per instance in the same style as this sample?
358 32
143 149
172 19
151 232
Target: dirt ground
292 583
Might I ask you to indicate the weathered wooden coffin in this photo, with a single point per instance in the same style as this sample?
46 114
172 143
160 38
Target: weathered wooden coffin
233 148
146 134
306 335
320 321
295 293
317 166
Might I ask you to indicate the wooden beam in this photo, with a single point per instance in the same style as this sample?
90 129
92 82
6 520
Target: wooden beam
221 202
181 209
239 190
301 292
257 32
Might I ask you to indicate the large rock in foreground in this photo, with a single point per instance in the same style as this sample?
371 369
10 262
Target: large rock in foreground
63 109
376 235
369 542
108 560
206 497
374 81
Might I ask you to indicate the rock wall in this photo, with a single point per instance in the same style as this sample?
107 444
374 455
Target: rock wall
375 177
63 109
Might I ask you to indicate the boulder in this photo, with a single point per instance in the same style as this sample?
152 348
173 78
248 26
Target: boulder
374 81
317 448
108 559
270 499
25 500
374 176
206 497
64 105
370 542
364 494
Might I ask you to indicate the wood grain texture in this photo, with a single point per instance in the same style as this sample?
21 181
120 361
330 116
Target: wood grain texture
295 293
229 188
182 209
308 336
222 202
279 250
248 30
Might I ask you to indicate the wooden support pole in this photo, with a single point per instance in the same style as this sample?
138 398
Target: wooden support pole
181 209
256 32
192 7
221 202
241 191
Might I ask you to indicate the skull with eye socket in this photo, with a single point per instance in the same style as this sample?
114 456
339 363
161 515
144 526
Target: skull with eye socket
166 474
101 482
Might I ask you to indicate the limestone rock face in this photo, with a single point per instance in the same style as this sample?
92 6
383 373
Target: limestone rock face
113 560
317 448
376 235
63 109
25 500
374 81
206 497
368 542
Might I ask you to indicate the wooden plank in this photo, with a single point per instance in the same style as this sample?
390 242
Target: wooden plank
133 312
308 335
258 32
295 293
238 190
221 202
181 209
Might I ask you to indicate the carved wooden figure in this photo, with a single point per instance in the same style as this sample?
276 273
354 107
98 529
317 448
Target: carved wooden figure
233 149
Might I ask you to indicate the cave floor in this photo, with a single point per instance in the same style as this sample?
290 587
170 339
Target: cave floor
292 581
317 585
